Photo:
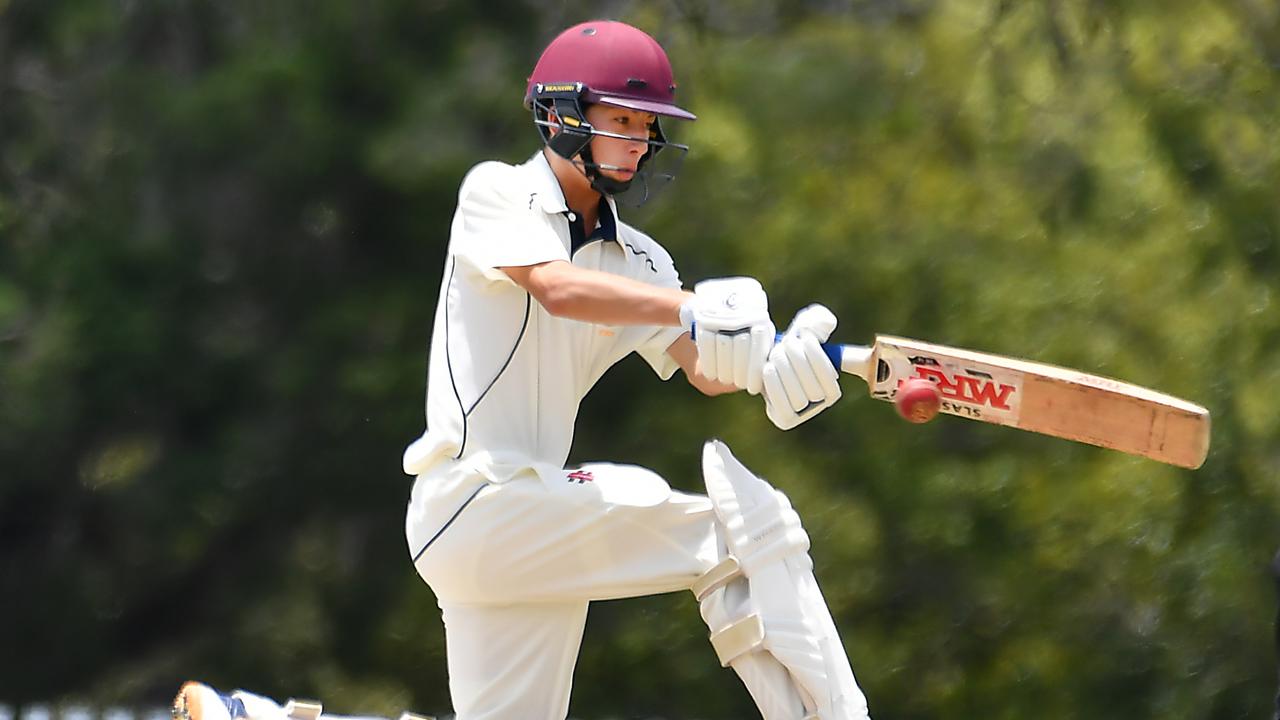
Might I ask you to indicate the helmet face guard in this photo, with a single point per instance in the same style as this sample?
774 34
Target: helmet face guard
559 114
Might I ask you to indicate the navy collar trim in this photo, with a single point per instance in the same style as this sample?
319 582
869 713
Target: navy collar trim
606 230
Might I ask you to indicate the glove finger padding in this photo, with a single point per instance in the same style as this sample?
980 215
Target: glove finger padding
776 405
706 342
793 346
762 338
826 374
798 376
724 357
796 397
741 359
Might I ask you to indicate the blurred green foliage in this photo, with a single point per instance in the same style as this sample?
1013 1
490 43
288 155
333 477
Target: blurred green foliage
221 233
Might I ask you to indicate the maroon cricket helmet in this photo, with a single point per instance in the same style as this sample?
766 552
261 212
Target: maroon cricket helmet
615 63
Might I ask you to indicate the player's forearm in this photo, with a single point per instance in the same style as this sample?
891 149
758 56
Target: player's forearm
707 386
685 353
607 299
598 297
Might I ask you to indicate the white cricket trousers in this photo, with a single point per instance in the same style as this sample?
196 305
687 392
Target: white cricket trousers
514 564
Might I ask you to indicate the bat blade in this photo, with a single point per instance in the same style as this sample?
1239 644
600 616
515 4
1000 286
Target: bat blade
1040 398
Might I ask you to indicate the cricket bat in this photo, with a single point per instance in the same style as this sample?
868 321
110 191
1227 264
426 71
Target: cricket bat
1034 396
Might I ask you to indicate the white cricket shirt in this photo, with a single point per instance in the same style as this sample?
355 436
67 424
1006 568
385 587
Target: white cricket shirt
505 377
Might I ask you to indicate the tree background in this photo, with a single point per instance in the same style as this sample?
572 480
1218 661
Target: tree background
221 231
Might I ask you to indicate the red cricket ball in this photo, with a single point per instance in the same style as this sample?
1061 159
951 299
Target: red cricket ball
918 400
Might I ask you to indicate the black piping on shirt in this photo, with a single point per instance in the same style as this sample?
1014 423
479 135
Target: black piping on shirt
456 513
466 412
528 302
448 359
643 254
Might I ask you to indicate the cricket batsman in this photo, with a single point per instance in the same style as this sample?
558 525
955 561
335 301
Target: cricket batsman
544 288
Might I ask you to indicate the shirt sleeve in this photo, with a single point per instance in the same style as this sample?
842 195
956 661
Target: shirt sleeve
498 224
654 351
654 348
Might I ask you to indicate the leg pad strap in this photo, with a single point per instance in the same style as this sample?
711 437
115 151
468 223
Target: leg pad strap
738 639
303 709
717 577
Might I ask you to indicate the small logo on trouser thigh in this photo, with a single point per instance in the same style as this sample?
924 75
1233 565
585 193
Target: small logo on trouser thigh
580 476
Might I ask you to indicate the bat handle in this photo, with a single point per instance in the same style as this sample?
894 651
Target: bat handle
851 359
834 351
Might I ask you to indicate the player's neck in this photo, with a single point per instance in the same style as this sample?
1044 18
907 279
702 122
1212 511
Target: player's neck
578 193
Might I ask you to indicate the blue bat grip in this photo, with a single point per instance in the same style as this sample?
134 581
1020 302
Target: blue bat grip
834 351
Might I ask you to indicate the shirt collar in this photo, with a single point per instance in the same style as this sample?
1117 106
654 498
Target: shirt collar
608 213
546 188
548 195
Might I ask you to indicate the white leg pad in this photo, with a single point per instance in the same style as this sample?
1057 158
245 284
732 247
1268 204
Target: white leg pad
774 583
768 682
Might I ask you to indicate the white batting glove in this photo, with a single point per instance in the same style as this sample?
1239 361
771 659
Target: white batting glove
799 379
732 329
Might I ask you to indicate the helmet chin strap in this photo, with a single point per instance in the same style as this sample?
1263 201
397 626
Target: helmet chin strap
600 182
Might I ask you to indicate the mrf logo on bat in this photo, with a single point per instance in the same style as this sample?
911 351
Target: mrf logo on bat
974 387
